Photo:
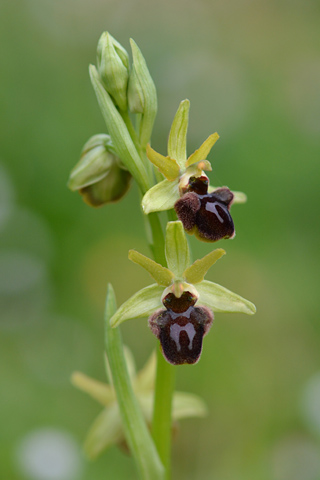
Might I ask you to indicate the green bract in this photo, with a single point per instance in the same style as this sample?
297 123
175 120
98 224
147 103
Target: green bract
176 167
179 277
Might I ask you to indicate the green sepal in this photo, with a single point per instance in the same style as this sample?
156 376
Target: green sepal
177 142
238 197
120 136
141 304
162 196
148 89
167 166
177 249
196 272
113 69
105 431
160 274
219 299
203 151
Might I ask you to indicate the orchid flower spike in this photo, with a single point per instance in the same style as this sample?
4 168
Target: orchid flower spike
189 300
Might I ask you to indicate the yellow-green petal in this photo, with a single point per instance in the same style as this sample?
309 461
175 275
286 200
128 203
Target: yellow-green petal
161 197
203 151
177 142
101 392
168 166
196 272
160 274
142 304
177 249
220 299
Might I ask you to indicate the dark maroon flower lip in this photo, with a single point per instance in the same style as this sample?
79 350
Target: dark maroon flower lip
206 214
181 328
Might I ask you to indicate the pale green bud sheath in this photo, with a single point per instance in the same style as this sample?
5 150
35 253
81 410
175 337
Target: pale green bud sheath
143 95
112 61
121 139
135 93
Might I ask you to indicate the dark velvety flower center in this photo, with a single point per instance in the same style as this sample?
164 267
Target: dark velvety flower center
206 214
181 327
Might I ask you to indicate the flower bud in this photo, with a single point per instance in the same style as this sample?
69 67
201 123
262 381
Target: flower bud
113 67
99 176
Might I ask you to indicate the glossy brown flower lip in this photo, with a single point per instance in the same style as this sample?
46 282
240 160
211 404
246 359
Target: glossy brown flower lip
181 328
206 214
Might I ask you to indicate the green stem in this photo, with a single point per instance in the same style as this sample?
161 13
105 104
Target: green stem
165 377
162 413
135 428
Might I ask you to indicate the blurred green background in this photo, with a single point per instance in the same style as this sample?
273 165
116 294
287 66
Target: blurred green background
251 70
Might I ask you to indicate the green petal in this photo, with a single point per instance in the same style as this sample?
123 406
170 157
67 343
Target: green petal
177 142
162 196
203 151
177 249
101 392
188 405
219 299
105 431
196 272
160 274
145 378
118 131
168 166
141 304
239 197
